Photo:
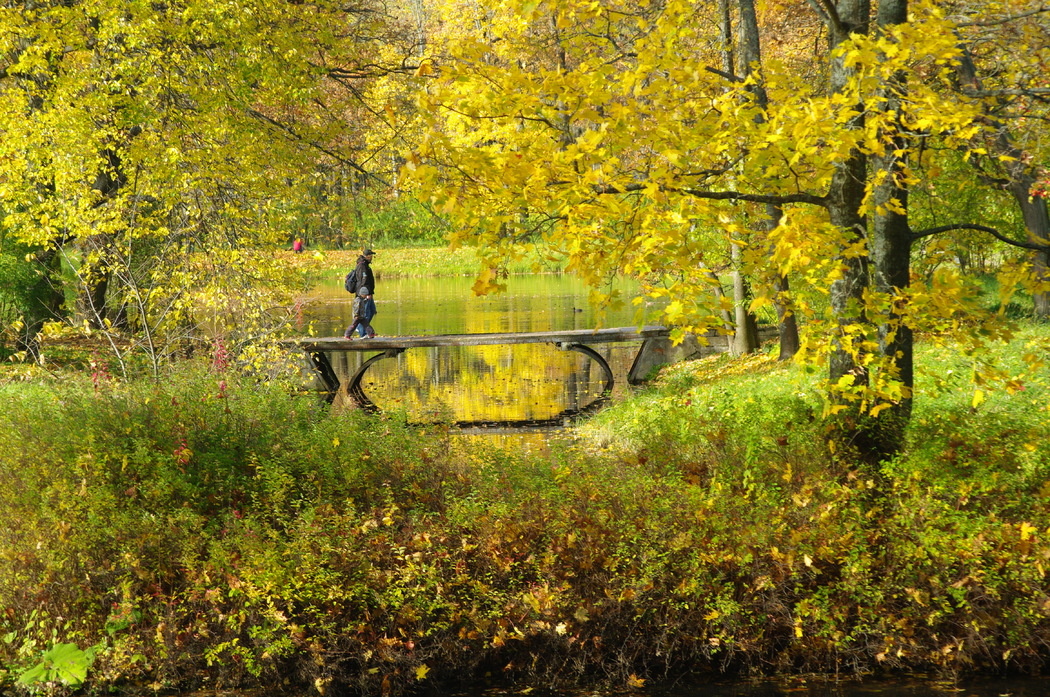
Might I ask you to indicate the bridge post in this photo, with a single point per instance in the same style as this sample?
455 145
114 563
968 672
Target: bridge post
660 351
354 388
323 367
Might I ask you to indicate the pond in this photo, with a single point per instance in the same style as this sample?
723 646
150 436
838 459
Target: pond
814 686
526 382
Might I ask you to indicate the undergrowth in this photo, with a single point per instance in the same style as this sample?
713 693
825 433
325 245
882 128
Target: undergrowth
211 532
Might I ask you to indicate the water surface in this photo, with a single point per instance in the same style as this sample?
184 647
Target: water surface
479 383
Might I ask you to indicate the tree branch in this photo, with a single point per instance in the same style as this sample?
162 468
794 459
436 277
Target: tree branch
369 71
1005 20
291 133
829 14
722 73
781 199
1035 92
776 199
980 228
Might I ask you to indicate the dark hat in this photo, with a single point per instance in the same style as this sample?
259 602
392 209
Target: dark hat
368 252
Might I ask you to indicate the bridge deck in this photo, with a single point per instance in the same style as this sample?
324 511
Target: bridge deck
571 336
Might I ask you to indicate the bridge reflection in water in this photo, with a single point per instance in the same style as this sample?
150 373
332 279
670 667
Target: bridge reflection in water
483 387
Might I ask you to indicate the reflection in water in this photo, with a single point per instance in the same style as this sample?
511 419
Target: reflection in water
916 686
522 382
488 383
815 686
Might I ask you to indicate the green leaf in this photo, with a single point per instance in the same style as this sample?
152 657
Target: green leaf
64 663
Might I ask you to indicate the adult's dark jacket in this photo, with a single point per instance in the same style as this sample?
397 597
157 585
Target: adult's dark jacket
365 277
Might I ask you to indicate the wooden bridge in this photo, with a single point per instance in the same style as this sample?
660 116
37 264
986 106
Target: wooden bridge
656 349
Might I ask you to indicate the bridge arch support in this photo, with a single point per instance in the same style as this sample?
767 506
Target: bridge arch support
580 341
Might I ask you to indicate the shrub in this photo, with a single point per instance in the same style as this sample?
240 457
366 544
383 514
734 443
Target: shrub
208 531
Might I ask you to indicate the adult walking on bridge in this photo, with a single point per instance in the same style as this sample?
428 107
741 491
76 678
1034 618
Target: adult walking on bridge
364 278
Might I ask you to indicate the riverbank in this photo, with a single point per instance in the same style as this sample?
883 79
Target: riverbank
433 262
210 531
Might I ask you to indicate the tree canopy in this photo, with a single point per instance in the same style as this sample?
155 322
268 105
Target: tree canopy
155 147
618 135
853 164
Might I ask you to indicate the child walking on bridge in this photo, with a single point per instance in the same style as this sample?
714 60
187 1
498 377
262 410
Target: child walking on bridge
364 310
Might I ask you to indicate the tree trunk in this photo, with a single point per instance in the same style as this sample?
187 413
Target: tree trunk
751 60
95 272
845 197
745 334
787 323
745 338
46 300
94 282
1037 228
727 319
890 250
844 200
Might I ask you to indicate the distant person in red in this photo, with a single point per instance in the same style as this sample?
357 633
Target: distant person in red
297 246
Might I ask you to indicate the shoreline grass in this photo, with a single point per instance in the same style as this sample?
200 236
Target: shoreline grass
435 261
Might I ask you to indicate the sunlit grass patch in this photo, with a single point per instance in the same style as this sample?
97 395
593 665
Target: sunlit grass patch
718 368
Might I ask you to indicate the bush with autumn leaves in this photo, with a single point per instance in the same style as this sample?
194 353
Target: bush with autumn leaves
208 531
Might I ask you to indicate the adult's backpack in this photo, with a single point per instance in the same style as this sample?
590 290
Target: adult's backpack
350 282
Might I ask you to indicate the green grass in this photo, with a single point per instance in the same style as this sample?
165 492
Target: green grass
980 423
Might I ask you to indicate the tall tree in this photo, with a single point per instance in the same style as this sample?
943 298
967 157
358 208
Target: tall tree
663 139
745 335
751 68
846 20
891 238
